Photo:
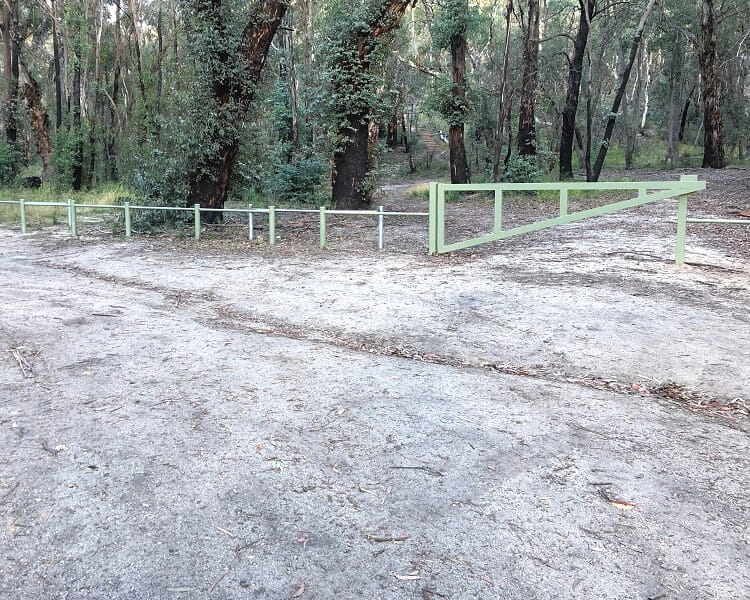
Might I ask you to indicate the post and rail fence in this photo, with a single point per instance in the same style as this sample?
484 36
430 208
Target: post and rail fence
646 192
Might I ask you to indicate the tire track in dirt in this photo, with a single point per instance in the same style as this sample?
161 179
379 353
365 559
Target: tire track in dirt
733 410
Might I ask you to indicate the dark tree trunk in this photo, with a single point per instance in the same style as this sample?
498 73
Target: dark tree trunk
350 166
39 119
575 73
12 48
56 66
713 142
684 117
114 118
391 139
77 129
526 117
350 160
624 78
501 108
458 162
209 183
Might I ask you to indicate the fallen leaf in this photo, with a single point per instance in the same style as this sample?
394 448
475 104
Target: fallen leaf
299 591
622 505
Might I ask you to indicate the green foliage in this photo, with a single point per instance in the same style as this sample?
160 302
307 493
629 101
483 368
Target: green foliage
521 170
296 182
64 158
452 108
8 162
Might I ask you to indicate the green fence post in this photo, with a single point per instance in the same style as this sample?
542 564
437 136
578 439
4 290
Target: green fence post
72 218
322 226
498 226
128 228
432 233
272 225
22 207
563 201
197 220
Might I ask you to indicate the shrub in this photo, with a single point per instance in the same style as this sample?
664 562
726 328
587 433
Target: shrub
7 162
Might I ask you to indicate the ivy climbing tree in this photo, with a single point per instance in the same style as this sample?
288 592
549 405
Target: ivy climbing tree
229 53
357 48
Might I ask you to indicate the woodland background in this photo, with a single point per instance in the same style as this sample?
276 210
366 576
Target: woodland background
198 101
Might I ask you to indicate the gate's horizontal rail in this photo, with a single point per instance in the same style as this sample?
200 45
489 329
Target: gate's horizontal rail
646 195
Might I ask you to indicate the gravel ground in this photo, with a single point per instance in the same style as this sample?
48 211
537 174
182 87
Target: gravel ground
557 416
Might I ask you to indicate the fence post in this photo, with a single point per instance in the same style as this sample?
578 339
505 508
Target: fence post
498 224
563 201
322 226
250 222
272 225
72 218
433 227
22 207
381 226
128 227
197 220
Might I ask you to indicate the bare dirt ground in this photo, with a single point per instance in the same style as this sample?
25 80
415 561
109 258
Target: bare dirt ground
562 415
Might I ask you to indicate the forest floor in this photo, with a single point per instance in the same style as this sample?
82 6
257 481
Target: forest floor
560 415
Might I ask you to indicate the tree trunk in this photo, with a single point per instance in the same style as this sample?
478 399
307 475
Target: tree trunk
77 129
624 78
56 66
713 143
501 109
459 164
526 117
12 48
39 118
209 182
350 166
350 159
575 73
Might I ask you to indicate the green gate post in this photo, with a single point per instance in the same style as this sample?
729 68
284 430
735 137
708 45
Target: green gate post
432 242
250 222
272 225
72 218
322 226
563 201
22 207
128 229
498 225
197 220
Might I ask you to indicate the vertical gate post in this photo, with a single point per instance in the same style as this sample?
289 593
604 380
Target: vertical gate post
432 234
197 221
498 222
22 207
322 226
128 223
72 218
380 228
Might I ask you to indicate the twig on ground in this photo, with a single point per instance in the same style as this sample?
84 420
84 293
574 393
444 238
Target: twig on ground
428 470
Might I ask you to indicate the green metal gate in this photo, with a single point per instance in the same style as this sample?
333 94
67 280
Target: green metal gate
647 192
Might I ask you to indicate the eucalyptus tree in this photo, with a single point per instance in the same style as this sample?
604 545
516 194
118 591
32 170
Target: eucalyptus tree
450 31
357 46
229 45
526 117
713 142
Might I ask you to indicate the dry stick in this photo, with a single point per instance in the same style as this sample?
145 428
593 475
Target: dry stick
25 366
428 470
